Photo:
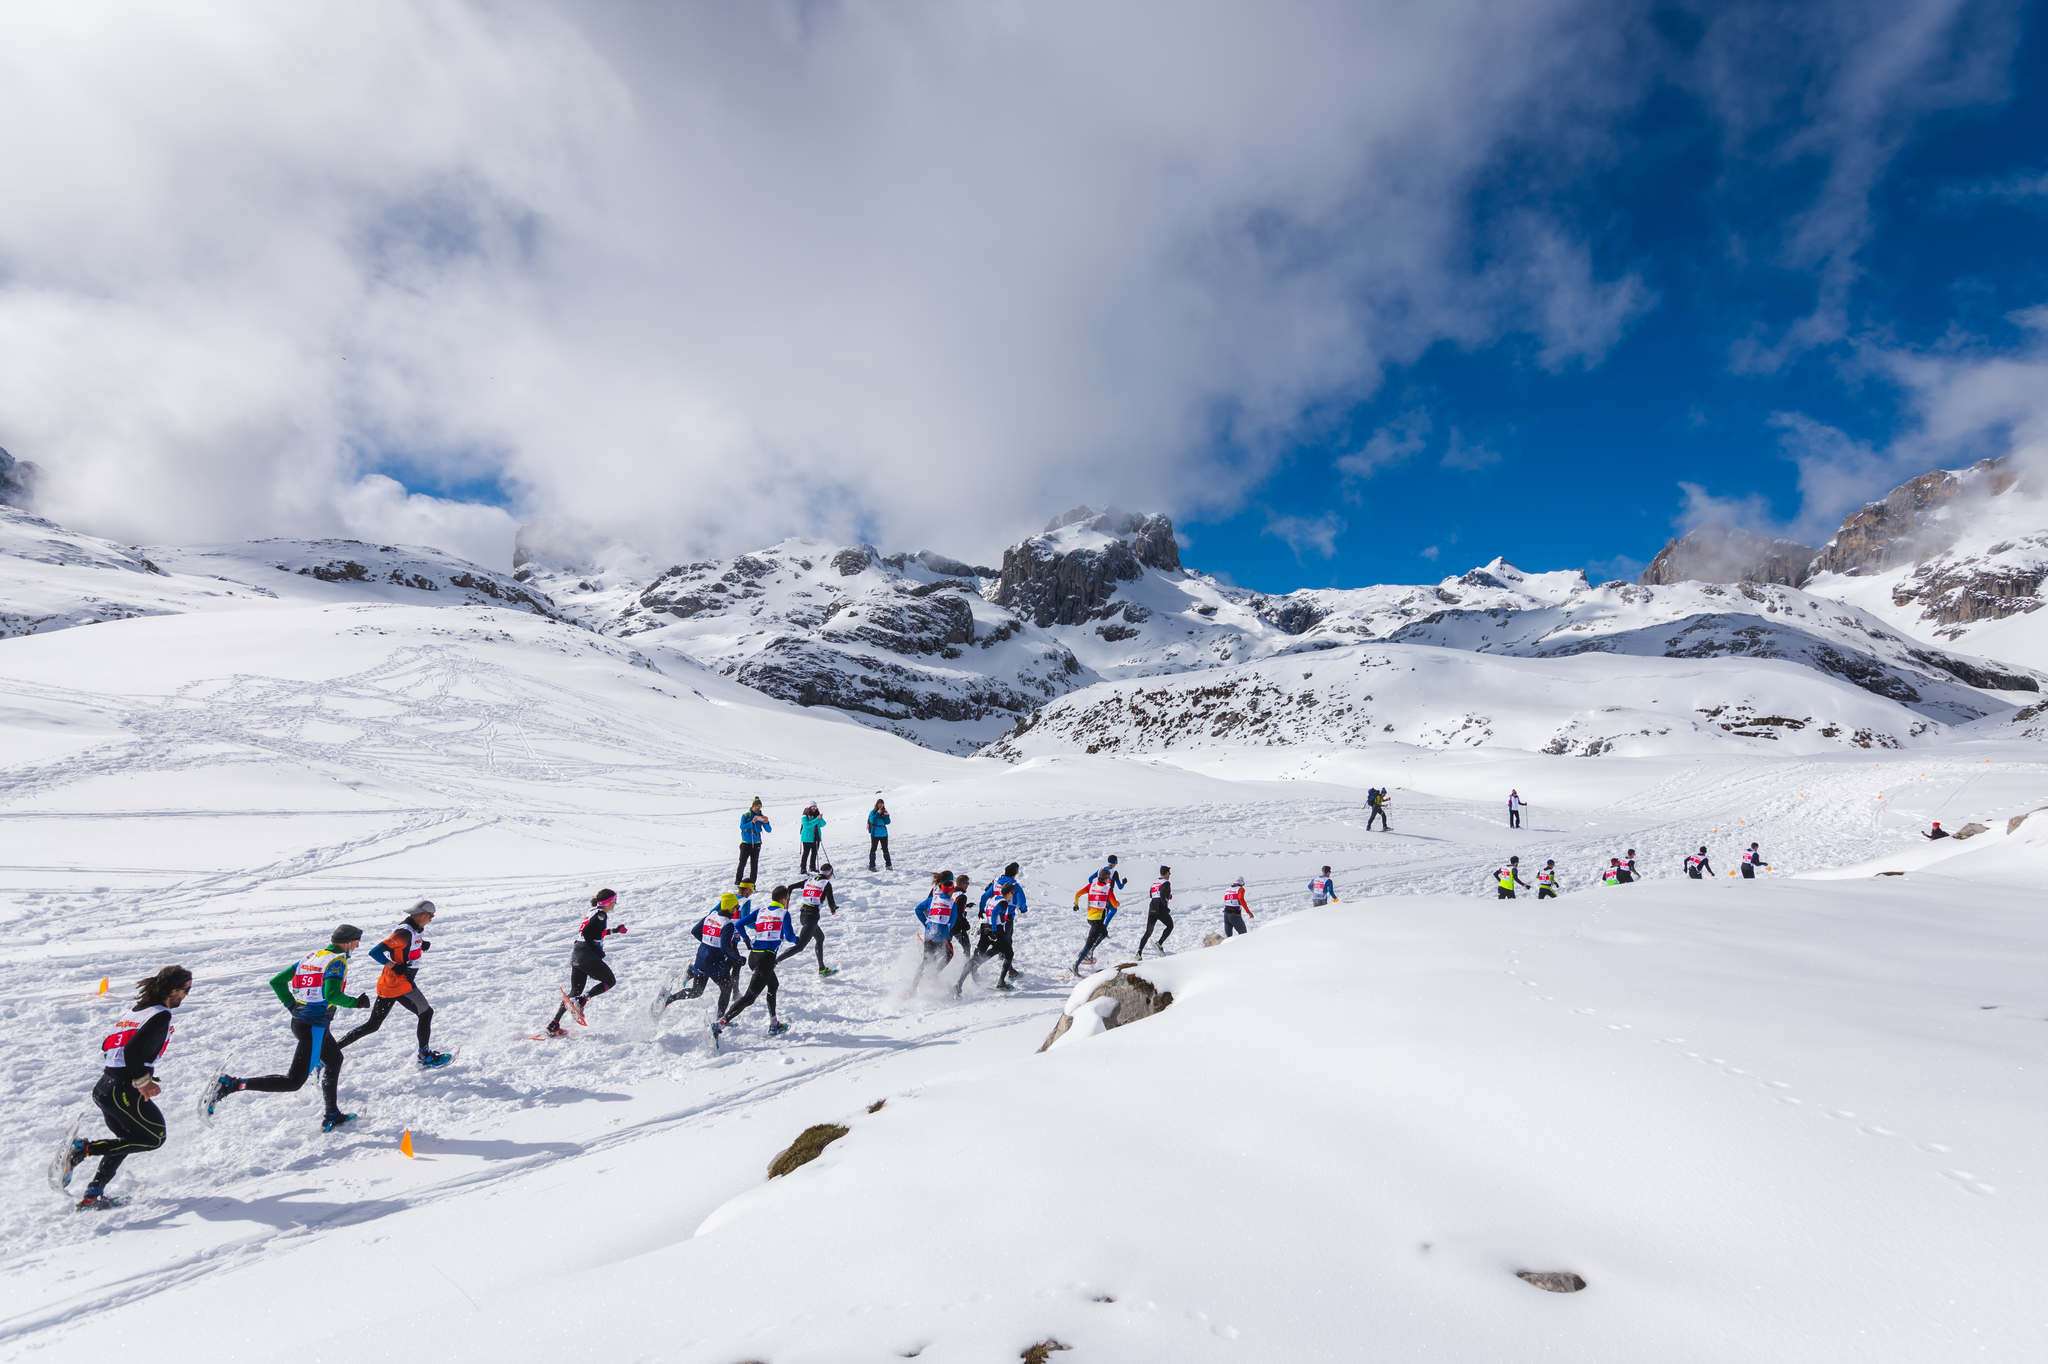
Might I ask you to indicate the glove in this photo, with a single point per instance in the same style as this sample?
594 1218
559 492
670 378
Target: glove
424 944
620 929
360 1002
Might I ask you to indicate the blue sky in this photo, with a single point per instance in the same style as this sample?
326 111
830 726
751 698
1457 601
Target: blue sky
1581 467
1356 290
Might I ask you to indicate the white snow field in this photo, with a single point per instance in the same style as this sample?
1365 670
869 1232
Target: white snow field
1791 1119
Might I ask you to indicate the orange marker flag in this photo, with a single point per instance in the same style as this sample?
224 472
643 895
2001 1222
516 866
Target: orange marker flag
103 984
405 1143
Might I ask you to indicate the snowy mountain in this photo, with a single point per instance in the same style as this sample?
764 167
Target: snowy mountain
1588 704
52 578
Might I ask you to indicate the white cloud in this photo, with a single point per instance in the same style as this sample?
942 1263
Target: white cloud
1307 535
379 508
1850 80
1468 457
1431 552
1400 440
707 274
1750 512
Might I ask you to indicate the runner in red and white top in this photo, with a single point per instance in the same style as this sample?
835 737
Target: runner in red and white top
127 1086
1159 914
1236 909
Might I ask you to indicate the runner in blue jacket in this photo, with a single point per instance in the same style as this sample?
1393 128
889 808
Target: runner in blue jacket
766 930
935 914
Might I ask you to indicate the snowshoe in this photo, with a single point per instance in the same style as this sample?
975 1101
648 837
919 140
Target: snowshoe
97 1200
210 1097
70 1153
575 1008
433 1060
824 971
1004 985
776 1028
334 1120
717 1031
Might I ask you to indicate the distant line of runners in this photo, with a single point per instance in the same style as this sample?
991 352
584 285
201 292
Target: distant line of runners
733 936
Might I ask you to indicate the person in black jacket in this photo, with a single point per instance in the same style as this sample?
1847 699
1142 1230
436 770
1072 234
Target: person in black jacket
586 961
1159 914
127 1087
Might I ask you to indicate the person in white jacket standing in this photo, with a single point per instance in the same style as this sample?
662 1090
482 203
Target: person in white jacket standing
1515 807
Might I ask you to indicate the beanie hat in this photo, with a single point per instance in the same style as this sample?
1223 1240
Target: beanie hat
346 933
728 901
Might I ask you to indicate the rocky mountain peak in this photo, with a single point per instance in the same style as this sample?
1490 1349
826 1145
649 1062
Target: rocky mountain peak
17 481
1726 554
1914 521
1069 574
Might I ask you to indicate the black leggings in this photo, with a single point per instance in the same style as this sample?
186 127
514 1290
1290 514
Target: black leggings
809 860
764 980
1503 892
1381 816
137 1125
936 953
994 942
1514 818
808 934
413 1001
1233 924
879 842
583 968
1153 918
1098 933
302 1065
750 862
698 983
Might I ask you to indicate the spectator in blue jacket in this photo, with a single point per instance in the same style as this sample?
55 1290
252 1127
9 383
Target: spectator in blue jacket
878 836
811 834
752 825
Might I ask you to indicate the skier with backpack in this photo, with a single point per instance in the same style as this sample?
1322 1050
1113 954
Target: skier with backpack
1101 896
586 962
1159 913
127 1089
815 896
1507 878
310 990
1321 889
1236 909
1697 867
1751 860
766 930
397 985
1377 799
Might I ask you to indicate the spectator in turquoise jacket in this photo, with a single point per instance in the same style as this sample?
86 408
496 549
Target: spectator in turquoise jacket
811 833
878 836
752 825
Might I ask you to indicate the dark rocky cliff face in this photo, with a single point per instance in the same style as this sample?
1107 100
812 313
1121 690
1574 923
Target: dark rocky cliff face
1909 524
17 481
1721 554
1053 585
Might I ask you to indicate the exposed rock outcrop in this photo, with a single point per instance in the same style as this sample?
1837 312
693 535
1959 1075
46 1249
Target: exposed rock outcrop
1723 554
1912 521
1130 998
17 481
1068 575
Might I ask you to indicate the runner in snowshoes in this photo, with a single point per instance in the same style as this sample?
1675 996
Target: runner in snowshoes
1751 860
127 1088
766 930
1100 893
815 895
397 985
586 961
1626 866
1697 867
935 915
963 931
310 990
1158 912
1236 909
1505 879
1000 904
1546 881
718 954
1321 889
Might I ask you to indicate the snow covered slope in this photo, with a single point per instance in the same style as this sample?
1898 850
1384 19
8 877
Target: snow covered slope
1588 704
52 578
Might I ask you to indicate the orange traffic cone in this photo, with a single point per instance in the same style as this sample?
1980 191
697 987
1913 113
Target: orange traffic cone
405 1143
